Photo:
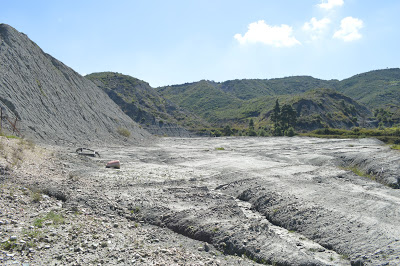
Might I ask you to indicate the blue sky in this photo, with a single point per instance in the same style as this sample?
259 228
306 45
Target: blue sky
167 42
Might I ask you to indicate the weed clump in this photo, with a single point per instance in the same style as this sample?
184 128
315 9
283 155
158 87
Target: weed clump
124 132
54 218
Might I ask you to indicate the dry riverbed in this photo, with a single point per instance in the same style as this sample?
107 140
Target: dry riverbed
202 201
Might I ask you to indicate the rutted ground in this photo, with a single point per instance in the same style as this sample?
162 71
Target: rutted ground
282 201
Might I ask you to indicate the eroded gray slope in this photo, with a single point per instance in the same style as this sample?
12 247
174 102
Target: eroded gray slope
54 103
282 201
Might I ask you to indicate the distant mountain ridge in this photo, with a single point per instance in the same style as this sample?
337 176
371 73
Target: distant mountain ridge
254 98
319 103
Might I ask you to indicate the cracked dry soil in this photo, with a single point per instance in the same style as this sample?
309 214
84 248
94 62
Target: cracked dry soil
209 201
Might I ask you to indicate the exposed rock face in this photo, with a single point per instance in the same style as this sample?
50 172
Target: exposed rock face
53 102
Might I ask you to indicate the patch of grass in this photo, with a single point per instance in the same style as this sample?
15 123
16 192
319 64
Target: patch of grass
124 132
220 148
56 218
12 137
8 245
395 147
345 257
387 135
33 233
135 210
38 222
36 196
359 172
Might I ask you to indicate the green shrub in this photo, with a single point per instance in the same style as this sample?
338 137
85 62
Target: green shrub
51 216
124 132
395 147
290 132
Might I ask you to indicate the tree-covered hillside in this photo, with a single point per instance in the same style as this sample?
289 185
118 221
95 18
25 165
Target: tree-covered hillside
143 103
375 89
365 100
253 88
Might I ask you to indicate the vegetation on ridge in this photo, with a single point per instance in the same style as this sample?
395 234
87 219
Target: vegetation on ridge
228 108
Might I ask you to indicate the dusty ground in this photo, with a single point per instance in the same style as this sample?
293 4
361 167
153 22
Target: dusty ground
217 201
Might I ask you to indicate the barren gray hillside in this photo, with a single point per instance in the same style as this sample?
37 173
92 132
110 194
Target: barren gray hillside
53 102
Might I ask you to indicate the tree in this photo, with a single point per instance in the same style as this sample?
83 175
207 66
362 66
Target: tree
251 124
275 116
227 131
288 117
283 118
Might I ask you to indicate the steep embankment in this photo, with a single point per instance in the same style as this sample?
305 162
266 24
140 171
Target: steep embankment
52 101
144 105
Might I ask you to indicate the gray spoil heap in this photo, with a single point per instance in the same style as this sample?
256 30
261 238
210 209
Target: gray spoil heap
53 102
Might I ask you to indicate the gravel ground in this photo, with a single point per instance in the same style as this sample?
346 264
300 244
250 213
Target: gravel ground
202 201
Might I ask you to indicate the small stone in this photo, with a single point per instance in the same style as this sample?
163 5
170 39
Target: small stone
206 247
14 222
13 238
10 255
47 223
47 246
200 248
156 240
2 223
31 250
115 225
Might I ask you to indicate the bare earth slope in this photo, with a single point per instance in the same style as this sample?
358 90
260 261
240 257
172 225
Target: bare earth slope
280 201
54 102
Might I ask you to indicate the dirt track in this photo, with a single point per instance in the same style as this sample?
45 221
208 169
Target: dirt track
281 201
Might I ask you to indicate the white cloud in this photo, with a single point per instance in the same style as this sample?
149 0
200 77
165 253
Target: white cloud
260 32
316 27
349 29
329 4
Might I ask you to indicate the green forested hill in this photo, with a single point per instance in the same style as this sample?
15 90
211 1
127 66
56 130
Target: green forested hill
376 89
142 102
253 88
315 108
203 98
342 104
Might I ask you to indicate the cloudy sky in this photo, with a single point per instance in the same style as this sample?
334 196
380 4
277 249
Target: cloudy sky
168 42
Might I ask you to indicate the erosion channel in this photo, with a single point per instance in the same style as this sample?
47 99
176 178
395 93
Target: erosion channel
280 201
